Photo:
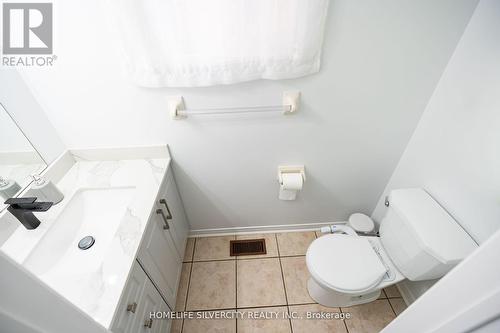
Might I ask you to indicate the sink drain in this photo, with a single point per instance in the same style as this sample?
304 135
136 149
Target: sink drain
86 243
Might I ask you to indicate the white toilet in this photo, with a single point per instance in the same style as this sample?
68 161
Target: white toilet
418 240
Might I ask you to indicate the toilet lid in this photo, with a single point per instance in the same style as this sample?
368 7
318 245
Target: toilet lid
345 263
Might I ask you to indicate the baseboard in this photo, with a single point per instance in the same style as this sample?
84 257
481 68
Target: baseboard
406 292
260 229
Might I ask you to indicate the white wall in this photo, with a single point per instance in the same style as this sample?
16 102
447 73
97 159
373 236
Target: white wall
381 62
454 152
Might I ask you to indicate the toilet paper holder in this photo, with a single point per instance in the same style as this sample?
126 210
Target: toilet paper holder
291 180
282 169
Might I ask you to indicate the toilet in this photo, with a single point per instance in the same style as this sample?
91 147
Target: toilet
418 240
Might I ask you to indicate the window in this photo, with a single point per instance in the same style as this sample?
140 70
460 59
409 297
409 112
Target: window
187 43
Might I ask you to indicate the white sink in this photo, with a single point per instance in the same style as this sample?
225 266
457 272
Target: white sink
108 199
90 212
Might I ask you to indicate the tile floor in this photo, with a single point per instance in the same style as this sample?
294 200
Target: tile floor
211 281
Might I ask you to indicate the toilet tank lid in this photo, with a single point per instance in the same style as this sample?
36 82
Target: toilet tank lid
439 234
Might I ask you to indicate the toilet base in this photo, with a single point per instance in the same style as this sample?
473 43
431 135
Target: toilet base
332 298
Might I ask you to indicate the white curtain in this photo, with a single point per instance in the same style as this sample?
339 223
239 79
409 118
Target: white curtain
187 43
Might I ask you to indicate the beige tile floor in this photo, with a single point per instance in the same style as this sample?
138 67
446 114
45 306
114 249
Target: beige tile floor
212 280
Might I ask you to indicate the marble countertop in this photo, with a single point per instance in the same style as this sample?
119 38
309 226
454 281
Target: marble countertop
98 290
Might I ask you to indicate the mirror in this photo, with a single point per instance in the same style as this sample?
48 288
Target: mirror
18 159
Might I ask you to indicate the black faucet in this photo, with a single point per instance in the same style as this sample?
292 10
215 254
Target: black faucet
23 208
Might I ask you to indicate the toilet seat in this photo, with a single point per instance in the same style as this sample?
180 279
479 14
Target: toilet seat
345 263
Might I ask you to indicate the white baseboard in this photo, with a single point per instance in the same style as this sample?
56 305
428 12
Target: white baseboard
260 229
406 292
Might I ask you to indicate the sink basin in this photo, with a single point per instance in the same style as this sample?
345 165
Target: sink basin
90 212
109 195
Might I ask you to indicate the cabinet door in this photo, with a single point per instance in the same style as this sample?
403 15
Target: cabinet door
159 258
151 302
170 202
126 312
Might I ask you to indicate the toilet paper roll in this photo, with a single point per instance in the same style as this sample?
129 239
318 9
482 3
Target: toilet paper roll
291 181
287 195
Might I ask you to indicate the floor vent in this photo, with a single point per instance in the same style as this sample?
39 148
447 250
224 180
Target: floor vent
247 247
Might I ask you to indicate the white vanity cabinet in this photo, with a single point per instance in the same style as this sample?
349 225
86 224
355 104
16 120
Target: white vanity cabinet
159 257
152 283
149 303
170 204
164 240
139 299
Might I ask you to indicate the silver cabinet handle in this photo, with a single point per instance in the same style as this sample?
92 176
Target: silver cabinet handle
132 307
148 323
164 202
160 212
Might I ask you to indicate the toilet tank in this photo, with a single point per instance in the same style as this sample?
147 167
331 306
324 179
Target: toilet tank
420 237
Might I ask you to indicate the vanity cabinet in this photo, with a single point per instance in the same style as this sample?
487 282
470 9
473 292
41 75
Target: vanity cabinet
159 257
153 281
151 302
139 299
169 202
162 250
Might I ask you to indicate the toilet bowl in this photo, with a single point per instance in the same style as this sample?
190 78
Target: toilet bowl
418 240
355 271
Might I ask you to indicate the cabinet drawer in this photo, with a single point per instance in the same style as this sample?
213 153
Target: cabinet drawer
150 302
140 297
126 313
